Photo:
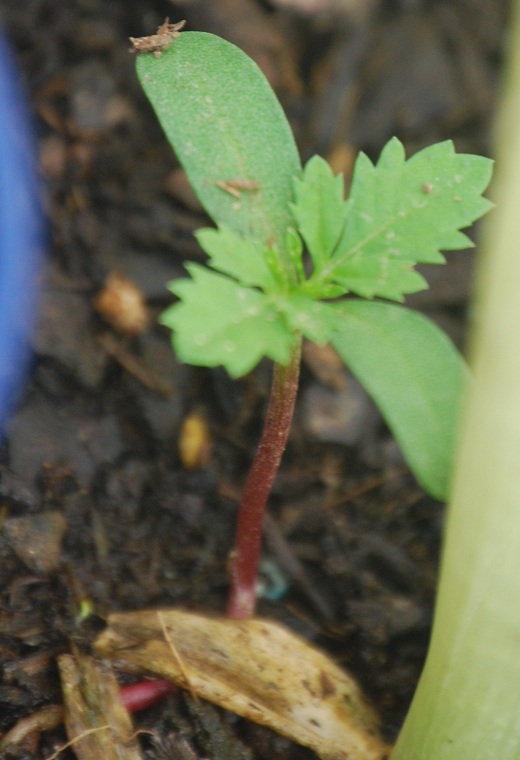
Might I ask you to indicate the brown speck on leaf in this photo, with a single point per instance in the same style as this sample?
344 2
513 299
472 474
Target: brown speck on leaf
327 685
427 188
237 185
159 42
227 188
243 184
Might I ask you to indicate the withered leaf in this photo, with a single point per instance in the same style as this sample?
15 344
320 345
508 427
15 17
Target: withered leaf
98 725
254 668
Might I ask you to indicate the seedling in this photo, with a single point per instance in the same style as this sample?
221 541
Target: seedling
286 251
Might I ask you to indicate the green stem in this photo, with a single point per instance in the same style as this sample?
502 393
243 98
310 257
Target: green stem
467 705
248 537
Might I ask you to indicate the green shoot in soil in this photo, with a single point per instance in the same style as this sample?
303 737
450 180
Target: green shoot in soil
288 248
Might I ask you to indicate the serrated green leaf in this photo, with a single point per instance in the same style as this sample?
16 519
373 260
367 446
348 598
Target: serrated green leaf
416 377
295 251
401 213
315 320
220 322
225 123
398 277
236 256
319 209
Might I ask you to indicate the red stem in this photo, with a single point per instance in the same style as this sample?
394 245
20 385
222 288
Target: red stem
248 537
246 554
139 696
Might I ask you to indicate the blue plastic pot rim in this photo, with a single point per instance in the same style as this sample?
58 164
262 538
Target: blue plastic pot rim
20 232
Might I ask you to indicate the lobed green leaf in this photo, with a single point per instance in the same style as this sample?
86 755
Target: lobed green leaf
400 213
218 321
315 320
236 256
416 377
319 209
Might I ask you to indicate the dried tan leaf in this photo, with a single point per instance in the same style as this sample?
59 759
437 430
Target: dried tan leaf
44 719
97 723
256 669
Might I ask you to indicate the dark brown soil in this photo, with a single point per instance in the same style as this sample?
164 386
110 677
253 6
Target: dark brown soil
96 505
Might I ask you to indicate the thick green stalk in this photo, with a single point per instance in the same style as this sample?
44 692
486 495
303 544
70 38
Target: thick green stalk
467 706
248 538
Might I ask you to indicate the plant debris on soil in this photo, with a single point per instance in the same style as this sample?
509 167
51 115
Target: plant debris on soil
101 511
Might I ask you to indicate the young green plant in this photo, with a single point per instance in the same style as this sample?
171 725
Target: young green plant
288 248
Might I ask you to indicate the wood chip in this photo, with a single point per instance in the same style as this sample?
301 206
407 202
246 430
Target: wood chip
98 725
121 304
